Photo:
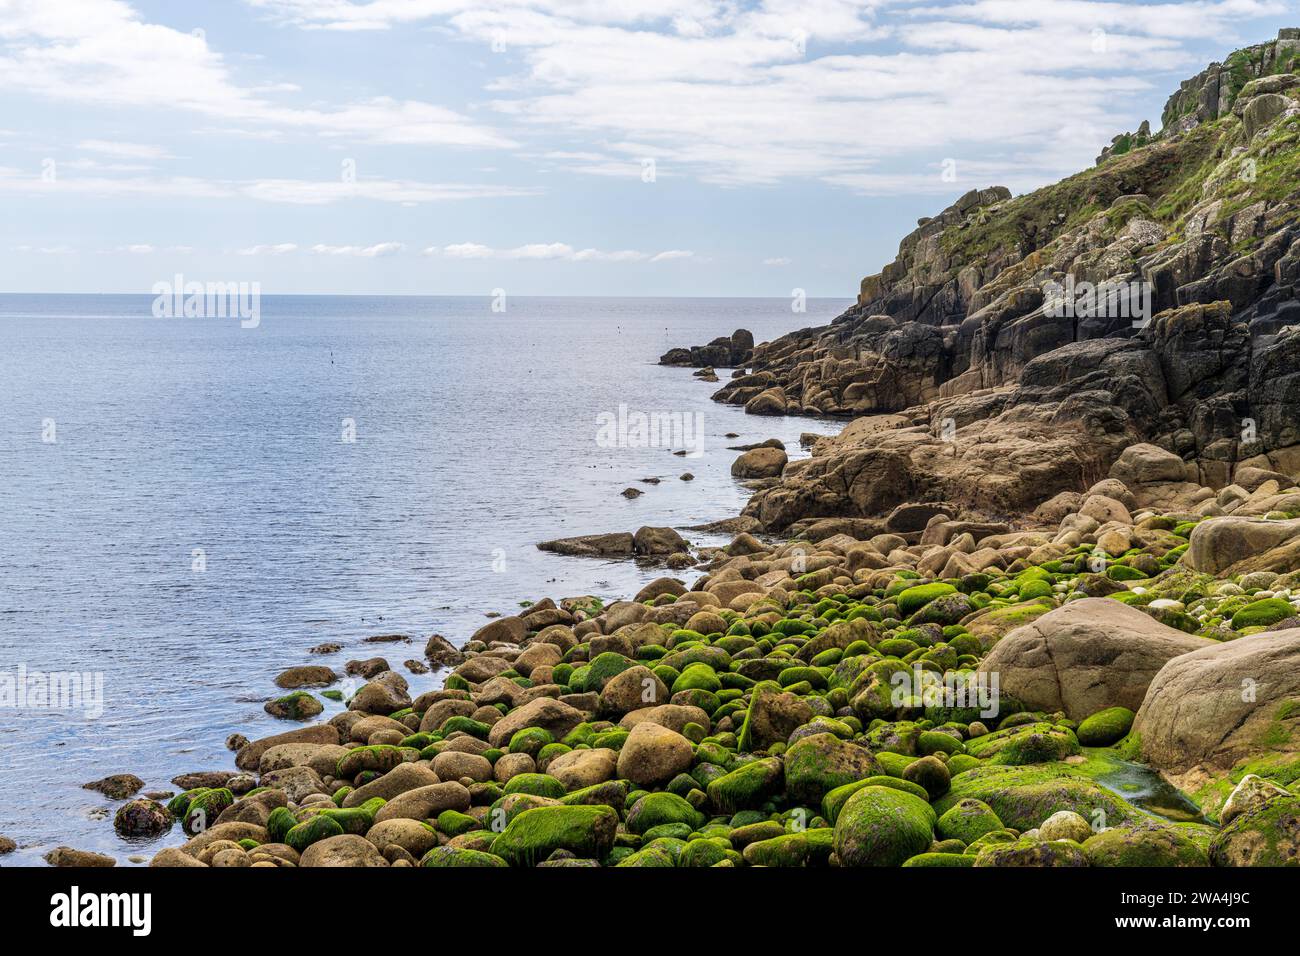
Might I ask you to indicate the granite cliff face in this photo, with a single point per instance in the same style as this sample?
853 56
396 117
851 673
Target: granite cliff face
1016 346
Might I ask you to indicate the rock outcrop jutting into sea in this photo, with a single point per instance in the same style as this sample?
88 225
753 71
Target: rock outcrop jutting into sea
1016 346
1037 605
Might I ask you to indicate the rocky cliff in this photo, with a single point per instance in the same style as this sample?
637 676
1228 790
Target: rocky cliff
1016 346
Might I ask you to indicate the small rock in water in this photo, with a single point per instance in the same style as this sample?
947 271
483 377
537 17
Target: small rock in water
118 786
632 492
368 668
327 648
309 675
687 476
299 705
203 778
416 667
7 845
387 639
67 856
142 818
236 742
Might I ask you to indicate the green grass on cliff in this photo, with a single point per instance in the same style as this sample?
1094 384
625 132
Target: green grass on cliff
1170 173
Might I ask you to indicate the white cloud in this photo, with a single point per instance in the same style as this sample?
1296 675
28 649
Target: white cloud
295 191
45 250
376 251
462 250
121 150
279 249
542 251
103 53
320 192
860 94
777 261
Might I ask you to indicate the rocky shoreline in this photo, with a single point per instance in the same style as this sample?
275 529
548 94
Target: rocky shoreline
939 693
1048 555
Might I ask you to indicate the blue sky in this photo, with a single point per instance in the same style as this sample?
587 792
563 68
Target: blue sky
584 147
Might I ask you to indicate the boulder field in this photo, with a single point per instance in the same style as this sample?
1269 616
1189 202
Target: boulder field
959 695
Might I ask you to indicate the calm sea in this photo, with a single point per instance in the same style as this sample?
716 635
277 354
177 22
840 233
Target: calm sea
187 506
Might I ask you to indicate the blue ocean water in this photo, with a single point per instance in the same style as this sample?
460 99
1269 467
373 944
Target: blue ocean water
180 511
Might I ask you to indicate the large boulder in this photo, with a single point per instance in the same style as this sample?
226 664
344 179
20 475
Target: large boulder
652 755
772 717
760 463
348 849
250 755
1219 543
881 826
1207 710
585 831
816 765
1086 656
657 541
554 716
1144 464
1268 835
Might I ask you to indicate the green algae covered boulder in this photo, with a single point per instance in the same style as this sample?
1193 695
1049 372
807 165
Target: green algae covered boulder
1025 744
538 784
655 809
278 824
968 820
1145 844
530 740
944 610
881 826
1023 797
650 856
203 809
705 852
380 759
835 800
535 834
1105 727
929 773
1028 851
913 599
816 765
1262 613
747 786
807 848
611 793
1267 835
318 828
940 859
461 856
454 823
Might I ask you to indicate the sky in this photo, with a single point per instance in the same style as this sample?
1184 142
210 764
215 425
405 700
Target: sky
551 147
